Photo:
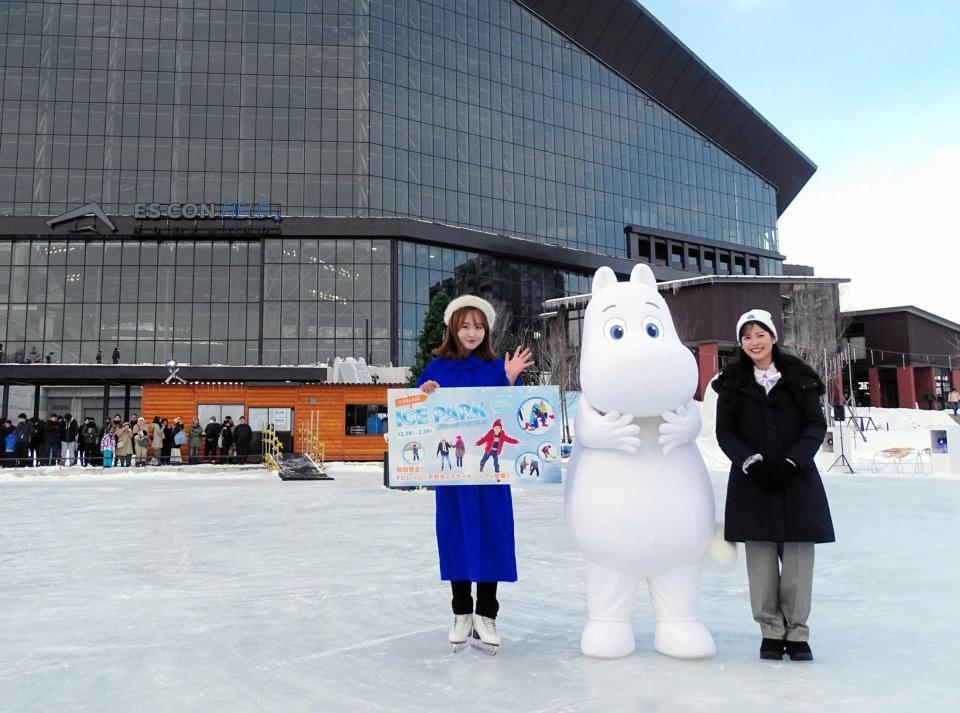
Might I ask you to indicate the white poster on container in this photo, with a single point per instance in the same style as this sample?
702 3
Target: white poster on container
280 418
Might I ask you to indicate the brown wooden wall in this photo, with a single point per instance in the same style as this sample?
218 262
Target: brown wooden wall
330 400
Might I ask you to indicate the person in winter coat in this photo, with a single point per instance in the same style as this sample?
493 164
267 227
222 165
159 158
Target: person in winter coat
52 439
226 441
141 442
770 424
70 430
24 431
459 449
124 450
38 442
166 442
176 455
90 436
9 436
194 436
474 523
953 400
156 439
493 442
211 434
108 446
243 437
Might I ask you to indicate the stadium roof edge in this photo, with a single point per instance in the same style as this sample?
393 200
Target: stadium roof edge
625 37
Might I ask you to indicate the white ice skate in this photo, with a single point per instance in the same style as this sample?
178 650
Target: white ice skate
485 637
460 631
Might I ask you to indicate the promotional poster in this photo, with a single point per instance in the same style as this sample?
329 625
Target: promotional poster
475 436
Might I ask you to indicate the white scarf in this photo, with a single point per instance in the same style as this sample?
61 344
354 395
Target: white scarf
767 378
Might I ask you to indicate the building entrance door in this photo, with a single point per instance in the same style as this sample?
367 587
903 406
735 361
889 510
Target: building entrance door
280 417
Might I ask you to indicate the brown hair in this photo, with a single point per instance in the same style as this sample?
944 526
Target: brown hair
451 348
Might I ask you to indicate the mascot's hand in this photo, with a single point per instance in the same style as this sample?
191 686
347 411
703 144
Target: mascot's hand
610 431
680 426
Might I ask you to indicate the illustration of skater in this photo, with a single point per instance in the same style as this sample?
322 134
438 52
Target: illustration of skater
539 416
416 452
542 412
534 467
523 465
443 451
459 448
547 451
493 443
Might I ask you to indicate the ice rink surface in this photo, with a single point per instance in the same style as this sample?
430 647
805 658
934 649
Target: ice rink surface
229 590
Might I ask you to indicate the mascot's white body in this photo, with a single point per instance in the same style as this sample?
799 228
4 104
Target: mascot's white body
638 497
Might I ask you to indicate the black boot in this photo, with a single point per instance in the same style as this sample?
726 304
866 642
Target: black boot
799 651
771 649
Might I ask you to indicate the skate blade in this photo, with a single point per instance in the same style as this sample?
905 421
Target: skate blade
488 649
462 646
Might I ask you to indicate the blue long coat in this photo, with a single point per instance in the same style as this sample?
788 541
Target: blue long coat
474 522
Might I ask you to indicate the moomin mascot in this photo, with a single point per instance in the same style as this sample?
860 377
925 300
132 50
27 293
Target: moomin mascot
638 497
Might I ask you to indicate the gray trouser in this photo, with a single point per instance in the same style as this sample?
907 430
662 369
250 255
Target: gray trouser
780 595
68 452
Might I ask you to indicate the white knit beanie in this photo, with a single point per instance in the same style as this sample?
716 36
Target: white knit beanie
473 302
760 316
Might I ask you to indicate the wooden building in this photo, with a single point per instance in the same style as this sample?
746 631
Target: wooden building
352 417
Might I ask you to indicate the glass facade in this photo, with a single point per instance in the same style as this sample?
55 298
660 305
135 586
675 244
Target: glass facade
166 101
483 116
425 269
326 298
194 301
198 302
472 113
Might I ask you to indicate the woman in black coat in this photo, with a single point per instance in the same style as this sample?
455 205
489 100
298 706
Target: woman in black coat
770 425
168 442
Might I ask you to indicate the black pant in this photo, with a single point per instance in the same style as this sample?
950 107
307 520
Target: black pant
487 604
91 455
23 454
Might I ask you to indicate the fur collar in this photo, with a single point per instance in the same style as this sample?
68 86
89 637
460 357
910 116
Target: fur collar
796 374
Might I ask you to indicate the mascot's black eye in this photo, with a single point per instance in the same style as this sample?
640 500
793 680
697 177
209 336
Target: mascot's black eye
653 330
616 331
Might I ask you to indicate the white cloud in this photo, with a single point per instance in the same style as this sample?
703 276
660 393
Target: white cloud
893 228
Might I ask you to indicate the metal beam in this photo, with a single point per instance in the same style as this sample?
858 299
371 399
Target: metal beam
106 402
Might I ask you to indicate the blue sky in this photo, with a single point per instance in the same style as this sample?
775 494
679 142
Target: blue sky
870 91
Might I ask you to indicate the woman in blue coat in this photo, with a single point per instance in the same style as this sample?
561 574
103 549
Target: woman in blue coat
474 522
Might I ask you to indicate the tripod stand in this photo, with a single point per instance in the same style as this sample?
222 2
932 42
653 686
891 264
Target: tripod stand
841 461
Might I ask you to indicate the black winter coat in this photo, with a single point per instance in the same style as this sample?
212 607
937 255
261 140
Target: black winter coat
52 434
212 432
787 423
226 438
243 434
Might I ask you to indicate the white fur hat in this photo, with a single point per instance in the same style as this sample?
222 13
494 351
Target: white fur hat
757 315
470 301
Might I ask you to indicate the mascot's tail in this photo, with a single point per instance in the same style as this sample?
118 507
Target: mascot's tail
721 552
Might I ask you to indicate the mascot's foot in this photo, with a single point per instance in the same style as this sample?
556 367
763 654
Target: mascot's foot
684 640
607 639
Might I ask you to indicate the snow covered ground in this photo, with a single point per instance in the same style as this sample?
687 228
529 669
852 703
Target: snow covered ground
208 589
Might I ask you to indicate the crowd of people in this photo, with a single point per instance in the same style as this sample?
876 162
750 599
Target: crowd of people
61 441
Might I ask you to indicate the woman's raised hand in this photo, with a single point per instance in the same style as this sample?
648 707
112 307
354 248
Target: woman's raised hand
522 358
428 387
